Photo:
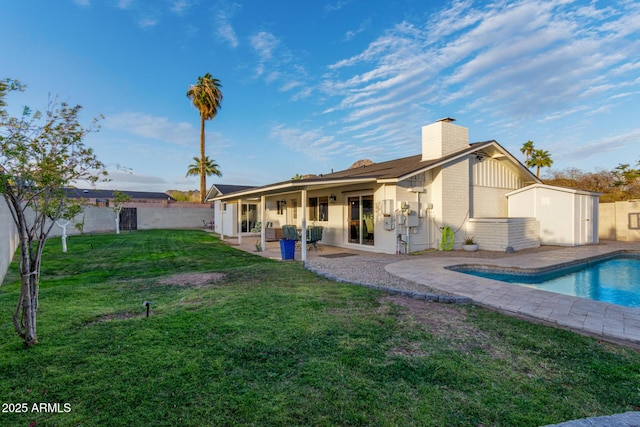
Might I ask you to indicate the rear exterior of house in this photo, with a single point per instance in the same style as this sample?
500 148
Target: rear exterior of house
403 205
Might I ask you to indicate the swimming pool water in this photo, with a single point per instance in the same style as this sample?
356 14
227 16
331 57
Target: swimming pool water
615 281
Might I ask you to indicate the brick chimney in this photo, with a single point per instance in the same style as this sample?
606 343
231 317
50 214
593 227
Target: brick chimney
443 137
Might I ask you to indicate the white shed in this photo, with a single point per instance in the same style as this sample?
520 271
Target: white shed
567 217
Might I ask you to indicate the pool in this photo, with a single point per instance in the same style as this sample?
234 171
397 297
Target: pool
614 279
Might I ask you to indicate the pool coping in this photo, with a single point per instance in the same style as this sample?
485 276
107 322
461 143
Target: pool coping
602 320
562 267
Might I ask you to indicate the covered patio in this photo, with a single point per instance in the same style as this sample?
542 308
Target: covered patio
271 249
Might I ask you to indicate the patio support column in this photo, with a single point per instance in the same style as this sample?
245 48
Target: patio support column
263 217
222 220
239 221
303 238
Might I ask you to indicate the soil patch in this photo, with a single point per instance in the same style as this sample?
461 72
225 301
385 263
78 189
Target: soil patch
445 321
196 280
117 316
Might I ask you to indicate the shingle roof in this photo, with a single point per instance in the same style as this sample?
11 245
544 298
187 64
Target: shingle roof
91 193
228 188
396 168
389 170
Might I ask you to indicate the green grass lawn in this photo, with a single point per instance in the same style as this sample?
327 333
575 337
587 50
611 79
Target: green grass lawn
273 344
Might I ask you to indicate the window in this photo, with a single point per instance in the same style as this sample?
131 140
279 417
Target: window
361 224
319 208
248 216
281 205
102 202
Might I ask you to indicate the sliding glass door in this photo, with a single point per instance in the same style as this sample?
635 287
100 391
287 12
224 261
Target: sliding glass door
249 217
360 218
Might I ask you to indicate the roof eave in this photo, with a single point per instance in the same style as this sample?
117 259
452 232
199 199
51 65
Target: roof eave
291 186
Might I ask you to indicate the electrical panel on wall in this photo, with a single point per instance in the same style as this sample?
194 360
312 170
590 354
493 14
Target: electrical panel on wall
413 220
388 223
387 207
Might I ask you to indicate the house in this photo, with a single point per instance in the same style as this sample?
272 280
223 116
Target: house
451 190
105 197
225 213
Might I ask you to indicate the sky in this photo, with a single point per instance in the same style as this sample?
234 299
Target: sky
313 86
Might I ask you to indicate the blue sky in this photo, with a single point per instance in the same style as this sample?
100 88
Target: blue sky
311 86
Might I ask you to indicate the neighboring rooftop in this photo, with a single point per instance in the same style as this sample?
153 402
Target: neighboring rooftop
92 193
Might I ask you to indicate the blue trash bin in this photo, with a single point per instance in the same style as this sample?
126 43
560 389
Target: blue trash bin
288 249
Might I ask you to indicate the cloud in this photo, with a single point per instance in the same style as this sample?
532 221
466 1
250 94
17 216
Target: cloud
147 22
333 7
501 62
148 126
132 177
600 147
224 13
276 64
124 4
180 6
351 34
264 44
313 143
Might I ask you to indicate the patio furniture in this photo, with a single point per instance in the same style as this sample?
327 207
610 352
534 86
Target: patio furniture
314 235
272 234
290 233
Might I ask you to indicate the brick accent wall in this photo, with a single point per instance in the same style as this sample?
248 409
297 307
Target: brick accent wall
495 234
441 138
455 195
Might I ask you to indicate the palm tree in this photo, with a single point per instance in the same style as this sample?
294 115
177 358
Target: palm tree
539 159
210 167
527 149
207 98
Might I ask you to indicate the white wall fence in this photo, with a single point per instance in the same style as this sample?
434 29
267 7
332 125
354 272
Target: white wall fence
8 238
102 220
620 221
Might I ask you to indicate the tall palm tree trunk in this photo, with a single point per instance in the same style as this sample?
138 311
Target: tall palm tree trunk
203 175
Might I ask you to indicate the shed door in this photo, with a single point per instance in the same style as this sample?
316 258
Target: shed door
586 220
129 219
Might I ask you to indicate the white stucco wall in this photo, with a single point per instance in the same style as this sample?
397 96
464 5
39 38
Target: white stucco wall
8 238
